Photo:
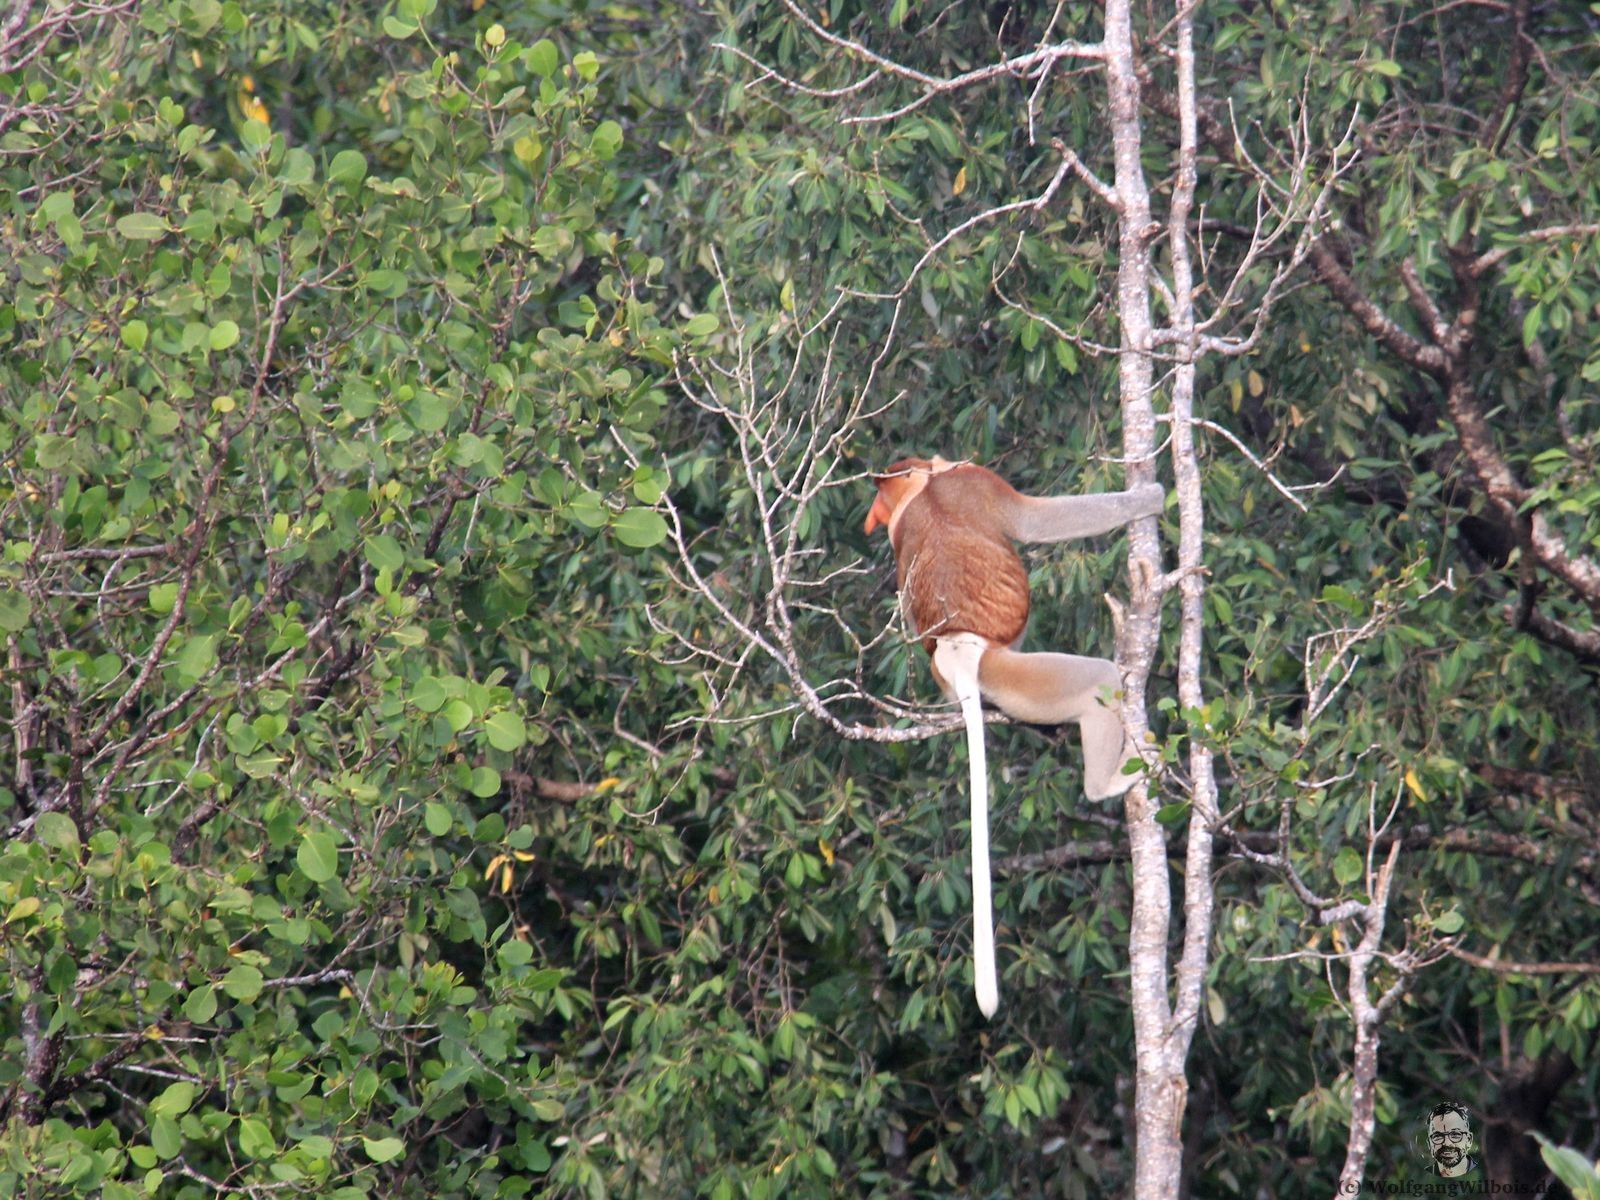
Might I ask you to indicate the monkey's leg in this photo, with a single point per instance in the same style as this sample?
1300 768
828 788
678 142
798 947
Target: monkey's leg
1051 689
956 661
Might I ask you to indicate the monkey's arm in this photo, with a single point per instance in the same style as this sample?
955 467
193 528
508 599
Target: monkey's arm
1057 518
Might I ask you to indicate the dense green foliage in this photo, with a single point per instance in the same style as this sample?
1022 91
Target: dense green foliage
364 832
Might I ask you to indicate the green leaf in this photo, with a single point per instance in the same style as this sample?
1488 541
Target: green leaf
196 657
428 694
485 781
547 979
429 412
318 857
383 1150
174 1100
242 982
298 168
201 1005
606 140
385 282
255 1138
161 419
14 609
135 334
506 731
1342 597
1532 322
527 148
702 325
162 597
142 227
200 225
587 65
23 909
164 1137
515 953
202 16
640 528
256 136
224 334
1571 1168
384 553
552 241
542 58
348 166
56 829
1348 866
437 818
458 715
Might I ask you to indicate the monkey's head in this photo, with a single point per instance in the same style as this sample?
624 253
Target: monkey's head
899 485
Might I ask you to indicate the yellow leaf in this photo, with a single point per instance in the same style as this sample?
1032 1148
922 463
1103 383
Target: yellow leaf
1235 393
827 850
960 184
495 864
506 879
605 785
477 5
25 907
1257 384
522 855
153 1032
495 35
1415 784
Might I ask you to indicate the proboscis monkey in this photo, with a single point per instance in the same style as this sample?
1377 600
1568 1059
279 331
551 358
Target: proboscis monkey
965 592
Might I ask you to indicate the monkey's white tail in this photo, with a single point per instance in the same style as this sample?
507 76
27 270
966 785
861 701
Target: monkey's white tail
956 657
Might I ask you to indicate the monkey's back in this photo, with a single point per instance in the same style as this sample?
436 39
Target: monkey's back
958 571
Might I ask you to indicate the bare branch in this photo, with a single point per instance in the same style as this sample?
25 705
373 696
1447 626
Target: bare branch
1506 967
1490 259
1023 66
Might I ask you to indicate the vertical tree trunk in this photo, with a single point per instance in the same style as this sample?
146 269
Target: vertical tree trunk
1161 1089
